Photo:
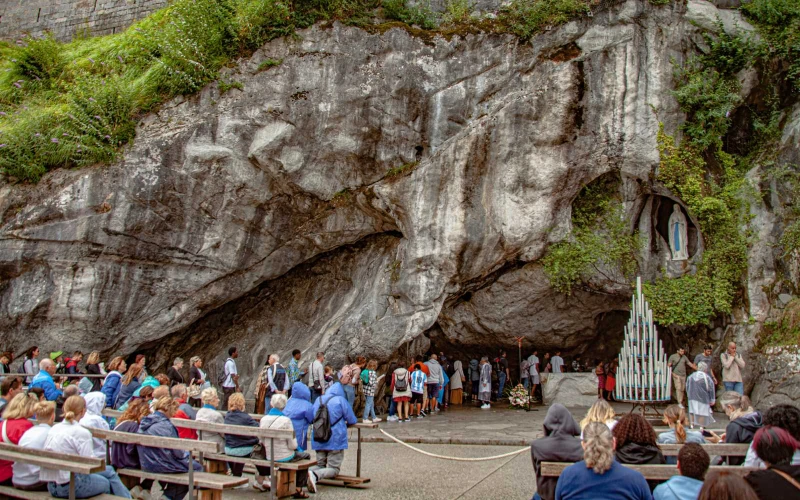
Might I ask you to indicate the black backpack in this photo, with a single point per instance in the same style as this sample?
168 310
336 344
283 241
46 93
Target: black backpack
222 376
321 427
401 384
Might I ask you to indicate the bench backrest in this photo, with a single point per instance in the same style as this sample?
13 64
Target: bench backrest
52 460
238 430
657 472
156 441
721 449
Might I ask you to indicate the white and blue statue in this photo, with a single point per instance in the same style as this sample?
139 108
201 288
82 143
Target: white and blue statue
677 234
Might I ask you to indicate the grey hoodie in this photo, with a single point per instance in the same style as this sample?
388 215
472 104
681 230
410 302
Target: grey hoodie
559 444
435 375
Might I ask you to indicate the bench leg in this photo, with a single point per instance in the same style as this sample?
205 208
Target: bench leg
286 480
209 495
216 466
130 482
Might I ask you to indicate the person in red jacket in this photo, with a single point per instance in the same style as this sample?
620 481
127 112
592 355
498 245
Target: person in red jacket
426 371
15 423
185 411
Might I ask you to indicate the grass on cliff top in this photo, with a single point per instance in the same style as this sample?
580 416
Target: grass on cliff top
77 103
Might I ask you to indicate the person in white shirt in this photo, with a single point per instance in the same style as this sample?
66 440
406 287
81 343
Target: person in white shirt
26 476
72 438
557 363
231 382
533 367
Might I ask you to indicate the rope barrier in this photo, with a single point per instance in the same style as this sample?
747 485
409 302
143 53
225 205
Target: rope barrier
457 459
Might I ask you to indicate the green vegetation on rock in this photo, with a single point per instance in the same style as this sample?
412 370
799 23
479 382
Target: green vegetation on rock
600 243
526 18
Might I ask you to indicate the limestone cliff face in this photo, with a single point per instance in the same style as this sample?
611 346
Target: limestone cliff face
265 217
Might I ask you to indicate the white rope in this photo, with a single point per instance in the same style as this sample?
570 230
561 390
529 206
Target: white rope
457 459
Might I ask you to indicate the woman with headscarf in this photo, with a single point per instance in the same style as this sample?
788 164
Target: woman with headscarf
702 396
485 383
93 418
457 384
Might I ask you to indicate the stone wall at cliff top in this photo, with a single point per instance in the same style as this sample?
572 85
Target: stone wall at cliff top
265 216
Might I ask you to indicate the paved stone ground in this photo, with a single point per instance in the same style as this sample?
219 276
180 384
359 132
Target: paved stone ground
400 473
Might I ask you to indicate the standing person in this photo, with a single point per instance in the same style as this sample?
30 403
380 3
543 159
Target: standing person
611 379
26 476
369 380
316 379
387 393
93 368
559 444
174 373
30 365
294 372
533 364
72 364
577 365
197 376
162 460
418 382
744 421
557 363
230 382
547 366
474 377
503 373
724 485
732 364
141 360
598 475
775 447
485 385
130 382
435 379
678 363
525 374
457 384
300 411
349 378
702 396
693 462
261 387
600 371
401 392
705 357
15 424
286 450
277 381
71 437
44 379
113 380
330 453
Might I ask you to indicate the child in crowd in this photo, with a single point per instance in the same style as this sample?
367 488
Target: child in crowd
369 379
418 381
328 376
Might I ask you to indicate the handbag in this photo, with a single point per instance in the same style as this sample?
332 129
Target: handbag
787 477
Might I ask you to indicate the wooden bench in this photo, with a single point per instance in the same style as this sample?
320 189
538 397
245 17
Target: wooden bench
720 449
210 485
654 472
74 464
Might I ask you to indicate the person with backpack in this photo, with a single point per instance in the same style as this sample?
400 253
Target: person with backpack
350 376
316 378
72 363
229 378
277 381
332 415
369 378
30 365
401 391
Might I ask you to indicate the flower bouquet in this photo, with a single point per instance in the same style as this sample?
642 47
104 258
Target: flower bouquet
518 398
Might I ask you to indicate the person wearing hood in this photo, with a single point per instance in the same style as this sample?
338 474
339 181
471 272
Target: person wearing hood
330 453
435 380
693 462
130 382
636 443
300 411
163 460
474 377
559 444
113 381
457 384
744 421
95 402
